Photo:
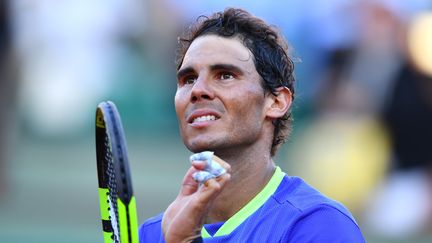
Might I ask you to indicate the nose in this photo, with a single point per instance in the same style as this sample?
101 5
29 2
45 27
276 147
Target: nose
202 90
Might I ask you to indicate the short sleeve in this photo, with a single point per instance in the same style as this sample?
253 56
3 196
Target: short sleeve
151 230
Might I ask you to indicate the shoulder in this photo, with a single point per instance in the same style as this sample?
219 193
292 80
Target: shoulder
151 230
304 198
325 223
318 217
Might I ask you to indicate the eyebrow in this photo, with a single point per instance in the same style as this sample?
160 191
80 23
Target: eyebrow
184 71
228 67
220 66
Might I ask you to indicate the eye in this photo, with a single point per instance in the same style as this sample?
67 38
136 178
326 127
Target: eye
226 76
187 80
190 80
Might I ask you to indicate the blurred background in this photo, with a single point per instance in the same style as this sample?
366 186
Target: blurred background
363 111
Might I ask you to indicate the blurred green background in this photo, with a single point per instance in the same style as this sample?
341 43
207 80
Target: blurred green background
362 109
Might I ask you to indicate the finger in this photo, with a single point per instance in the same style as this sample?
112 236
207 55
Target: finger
202 176
222 162
211 189
199 164
203 164
223 179
189 185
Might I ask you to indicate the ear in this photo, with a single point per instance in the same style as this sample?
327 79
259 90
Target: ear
277 105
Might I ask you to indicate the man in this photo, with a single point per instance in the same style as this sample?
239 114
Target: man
234 93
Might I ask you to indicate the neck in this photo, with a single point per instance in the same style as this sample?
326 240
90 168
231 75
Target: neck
250 172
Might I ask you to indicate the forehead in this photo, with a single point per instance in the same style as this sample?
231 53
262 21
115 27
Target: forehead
211 49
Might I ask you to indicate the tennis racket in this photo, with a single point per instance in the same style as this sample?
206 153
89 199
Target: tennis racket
117 202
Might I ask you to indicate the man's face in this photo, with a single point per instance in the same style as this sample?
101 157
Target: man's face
219 100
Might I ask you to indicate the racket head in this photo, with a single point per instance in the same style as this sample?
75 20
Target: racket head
117 201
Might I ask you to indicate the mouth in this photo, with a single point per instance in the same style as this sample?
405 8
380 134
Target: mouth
202 117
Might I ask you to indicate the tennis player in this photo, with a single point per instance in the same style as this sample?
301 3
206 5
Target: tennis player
234 93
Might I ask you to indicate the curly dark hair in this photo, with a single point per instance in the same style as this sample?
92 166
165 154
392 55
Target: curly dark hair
269 49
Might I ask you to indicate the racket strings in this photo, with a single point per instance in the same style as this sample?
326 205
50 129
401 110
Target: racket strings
112 186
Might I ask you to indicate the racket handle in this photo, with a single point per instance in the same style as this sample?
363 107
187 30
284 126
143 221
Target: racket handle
128 222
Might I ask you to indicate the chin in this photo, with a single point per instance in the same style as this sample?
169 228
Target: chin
199 146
